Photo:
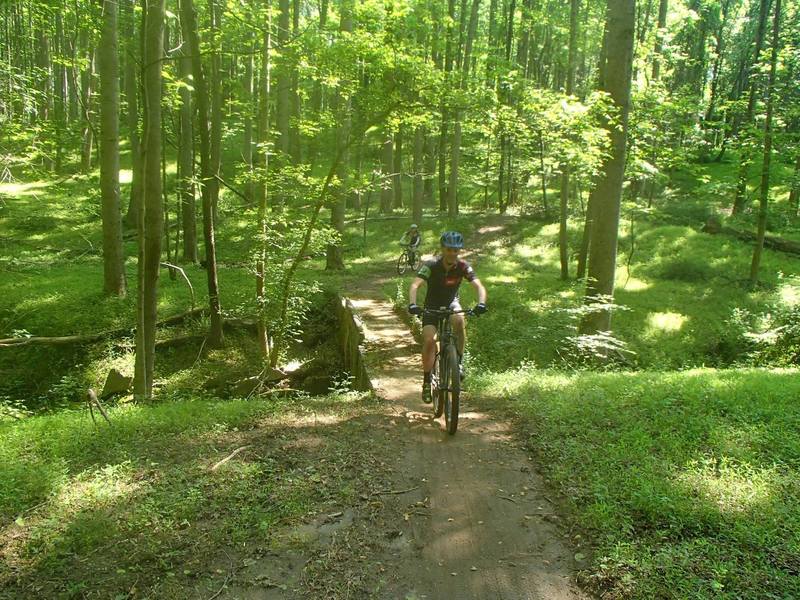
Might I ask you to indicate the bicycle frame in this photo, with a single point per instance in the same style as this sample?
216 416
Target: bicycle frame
445 378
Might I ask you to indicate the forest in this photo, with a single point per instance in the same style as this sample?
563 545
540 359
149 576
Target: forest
209 379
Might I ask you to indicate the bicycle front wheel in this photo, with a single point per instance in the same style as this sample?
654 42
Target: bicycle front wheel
452 391
402 263
436 389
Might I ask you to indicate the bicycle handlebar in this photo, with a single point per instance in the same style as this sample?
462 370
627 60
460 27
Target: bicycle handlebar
446 312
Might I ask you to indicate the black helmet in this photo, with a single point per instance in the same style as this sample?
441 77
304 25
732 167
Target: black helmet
452 239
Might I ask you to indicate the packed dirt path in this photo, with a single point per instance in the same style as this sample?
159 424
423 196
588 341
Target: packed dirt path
473 520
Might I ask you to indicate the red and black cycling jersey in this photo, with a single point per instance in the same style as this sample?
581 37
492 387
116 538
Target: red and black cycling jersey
443 284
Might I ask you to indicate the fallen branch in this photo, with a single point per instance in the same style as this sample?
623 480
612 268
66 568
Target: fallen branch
227 458
185 278
92 399
94 337
770 241
394 492
227 578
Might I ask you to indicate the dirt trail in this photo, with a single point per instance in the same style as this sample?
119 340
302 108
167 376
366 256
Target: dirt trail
473 520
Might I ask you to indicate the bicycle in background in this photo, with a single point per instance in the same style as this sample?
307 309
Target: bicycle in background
409 259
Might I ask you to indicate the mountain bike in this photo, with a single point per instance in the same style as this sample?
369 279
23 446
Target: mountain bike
409 259
445 376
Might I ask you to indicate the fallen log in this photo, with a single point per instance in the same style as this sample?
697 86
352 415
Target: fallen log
770 241
94 337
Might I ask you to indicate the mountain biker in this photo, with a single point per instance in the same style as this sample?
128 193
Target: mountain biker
412 240
443 277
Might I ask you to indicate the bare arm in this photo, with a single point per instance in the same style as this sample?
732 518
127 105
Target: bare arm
479 289
412 291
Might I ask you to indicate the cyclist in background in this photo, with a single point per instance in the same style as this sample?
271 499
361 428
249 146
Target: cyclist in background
412 240
443 277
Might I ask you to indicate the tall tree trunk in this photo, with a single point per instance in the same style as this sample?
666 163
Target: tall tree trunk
216 109
186 189
73 104
441 156
60 105
132 112
745 157
717 68
215 337
108 67
45 80
430 169
463 77
501 174
445 108
283 84
151 218
263 189
563 250
294 96
316 101
387 195
523 44
764 196
397 172
334 259
608 191
583 253
505 180
543 174
87 85
794 194
492 46
248 93
418 168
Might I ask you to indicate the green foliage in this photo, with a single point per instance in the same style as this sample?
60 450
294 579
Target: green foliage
685 269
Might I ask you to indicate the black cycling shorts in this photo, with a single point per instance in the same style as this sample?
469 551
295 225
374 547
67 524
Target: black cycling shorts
428 319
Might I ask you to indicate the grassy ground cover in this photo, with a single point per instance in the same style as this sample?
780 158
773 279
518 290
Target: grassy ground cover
137 509
686 482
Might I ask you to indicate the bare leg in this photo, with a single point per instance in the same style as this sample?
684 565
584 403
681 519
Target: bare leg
428 347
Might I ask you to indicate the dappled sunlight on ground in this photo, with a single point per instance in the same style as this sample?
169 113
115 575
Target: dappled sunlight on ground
789 293
490 229
500 279
95 488
630 284
312 418
730 486
40 302
658 322
549 230
23 189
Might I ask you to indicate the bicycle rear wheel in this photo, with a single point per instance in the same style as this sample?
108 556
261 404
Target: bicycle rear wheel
402 263
415 264
436 390
452 391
